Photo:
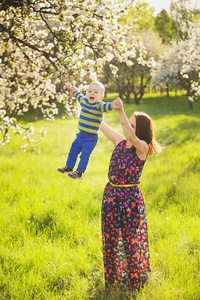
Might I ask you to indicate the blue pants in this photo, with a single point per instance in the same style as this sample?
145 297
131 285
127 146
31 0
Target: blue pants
84 144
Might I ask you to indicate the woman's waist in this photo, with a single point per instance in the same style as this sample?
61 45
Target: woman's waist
121 183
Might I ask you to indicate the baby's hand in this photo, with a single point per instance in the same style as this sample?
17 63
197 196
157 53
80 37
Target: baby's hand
72 89
117 104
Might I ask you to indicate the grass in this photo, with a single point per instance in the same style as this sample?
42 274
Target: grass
50 231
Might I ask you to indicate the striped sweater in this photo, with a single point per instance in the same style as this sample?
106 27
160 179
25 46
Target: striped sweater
91 113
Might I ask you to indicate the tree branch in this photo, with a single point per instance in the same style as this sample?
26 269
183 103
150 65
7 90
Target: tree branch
17 40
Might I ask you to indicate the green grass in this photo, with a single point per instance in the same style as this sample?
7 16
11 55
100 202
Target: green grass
50 230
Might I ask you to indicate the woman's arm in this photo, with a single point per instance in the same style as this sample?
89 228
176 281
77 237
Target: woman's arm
114 136
141 146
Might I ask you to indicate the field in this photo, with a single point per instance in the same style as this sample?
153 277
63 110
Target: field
50 230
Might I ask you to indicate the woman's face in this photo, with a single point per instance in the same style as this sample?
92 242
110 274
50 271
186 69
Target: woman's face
133 123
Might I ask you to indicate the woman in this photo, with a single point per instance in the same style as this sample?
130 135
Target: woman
124 223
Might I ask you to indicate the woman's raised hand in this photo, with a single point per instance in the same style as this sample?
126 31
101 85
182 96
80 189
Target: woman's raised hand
117 104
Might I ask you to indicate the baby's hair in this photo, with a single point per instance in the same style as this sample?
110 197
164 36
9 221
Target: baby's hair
100 85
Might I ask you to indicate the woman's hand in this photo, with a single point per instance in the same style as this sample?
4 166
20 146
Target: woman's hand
117 104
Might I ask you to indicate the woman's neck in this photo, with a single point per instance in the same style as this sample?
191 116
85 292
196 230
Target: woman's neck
128 144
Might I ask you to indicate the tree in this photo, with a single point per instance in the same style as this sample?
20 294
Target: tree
139 17
164 27
134 76
181 64
183 13
191 60
174 26
46 43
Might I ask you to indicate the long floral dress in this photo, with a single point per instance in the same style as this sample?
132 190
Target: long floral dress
124 223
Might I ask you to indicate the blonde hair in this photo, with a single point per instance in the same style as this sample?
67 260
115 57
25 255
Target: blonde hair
101 86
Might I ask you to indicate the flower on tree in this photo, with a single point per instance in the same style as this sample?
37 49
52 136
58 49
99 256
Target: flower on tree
49 43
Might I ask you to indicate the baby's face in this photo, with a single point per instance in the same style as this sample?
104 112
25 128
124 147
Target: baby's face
94 93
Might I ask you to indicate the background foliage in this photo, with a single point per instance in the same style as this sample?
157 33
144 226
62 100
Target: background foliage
45 44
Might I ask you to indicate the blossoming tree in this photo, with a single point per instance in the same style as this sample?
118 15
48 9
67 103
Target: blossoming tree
191 59
45 43
133 77
181 64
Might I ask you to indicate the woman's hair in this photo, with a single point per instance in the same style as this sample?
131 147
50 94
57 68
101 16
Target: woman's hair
145 132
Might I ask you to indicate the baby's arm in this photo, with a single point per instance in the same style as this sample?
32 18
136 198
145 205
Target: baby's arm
74 92
72 89
116 104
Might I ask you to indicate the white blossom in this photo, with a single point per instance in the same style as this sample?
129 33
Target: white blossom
181 62
67 41
109 56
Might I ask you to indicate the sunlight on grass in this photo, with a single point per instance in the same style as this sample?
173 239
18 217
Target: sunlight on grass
50 228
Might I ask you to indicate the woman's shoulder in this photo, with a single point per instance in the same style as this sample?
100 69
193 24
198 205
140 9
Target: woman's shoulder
120 143
120 140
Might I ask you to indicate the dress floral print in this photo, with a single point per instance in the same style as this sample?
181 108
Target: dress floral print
124 223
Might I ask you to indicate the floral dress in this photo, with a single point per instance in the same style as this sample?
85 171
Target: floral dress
124 223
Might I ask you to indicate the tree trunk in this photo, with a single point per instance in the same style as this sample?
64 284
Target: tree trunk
106 93
136 99
176 90
4 134
120 93
190 99
190 104
167 90
128 97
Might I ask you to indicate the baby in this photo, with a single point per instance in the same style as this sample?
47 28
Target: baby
91 115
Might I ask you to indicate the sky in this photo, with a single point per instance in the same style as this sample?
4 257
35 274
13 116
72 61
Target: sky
164 4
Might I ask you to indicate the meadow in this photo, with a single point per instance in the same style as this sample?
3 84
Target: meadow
50 228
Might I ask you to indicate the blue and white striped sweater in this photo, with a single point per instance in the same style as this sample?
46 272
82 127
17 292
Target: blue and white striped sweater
91 113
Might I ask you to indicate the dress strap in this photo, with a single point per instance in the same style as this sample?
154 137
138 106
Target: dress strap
123 185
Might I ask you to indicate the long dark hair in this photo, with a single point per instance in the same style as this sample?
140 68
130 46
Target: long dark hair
145 132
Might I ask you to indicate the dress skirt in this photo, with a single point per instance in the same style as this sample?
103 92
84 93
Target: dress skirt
125 238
